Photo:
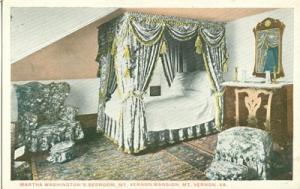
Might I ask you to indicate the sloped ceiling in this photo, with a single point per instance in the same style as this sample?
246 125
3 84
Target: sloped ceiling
35 28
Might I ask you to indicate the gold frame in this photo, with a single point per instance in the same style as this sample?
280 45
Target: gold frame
269 23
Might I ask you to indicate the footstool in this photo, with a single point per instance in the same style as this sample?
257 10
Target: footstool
62 152
242 146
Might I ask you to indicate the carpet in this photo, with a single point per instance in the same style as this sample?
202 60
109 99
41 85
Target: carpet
99 159
206 144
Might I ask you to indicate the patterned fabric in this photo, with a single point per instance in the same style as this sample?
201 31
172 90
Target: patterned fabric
131 86
112 130
245 146
224 170
129 47
171 60
43 118
62 152
163 137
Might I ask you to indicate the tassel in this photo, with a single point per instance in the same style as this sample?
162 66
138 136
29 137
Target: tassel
113 48
164 48
127 72
101 94
198 45
127 53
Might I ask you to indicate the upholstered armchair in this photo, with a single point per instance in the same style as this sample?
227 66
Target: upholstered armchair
43 119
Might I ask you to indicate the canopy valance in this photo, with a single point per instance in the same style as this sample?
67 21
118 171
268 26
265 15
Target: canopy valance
129 47
150 29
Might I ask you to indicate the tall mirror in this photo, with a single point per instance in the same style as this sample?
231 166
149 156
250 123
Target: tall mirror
268 48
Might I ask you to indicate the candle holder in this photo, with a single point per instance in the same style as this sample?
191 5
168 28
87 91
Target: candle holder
236 74
268 77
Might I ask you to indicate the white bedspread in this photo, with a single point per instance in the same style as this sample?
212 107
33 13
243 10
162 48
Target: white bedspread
171 112
178 111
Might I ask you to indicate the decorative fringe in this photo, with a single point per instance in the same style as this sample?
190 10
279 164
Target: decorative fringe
98 56
164 47
98 72
127 72
198 45
113 48
127 53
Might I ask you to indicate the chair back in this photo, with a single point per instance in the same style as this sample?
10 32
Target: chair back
257 102
43 100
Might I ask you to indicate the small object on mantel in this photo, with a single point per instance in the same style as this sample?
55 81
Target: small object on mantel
243 75
268 76
62 152
257 83
236 74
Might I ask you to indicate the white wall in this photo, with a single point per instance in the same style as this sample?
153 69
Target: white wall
33 28
241 43
84 94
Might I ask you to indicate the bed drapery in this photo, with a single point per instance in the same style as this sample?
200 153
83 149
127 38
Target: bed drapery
129 47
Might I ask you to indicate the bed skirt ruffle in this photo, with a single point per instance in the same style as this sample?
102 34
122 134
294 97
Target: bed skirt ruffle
164 137
111 129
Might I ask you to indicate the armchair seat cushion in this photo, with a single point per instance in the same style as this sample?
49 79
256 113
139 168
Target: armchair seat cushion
48 135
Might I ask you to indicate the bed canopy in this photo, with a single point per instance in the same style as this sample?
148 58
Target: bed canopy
129 47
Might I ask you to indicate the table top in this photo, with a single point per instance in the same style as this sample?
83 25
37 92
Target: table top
260 84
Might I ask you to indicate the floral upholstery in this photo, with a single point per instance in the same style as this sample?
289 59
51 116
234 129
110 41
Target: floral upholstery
62 152
225 170
43 118
246 146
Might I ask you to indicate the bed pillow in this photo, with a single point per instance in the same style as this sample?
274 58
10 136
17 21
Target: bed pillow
177 86
199 82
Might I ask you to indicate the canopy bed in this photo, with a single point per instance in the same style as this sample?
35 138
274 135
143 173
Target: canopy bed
193 56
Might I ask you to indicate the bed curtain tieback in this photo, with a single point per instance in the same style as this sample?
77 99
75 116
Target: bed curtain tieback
137 94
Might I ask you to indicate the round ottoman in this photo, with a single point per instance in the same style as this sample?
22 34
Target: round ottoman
62 152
